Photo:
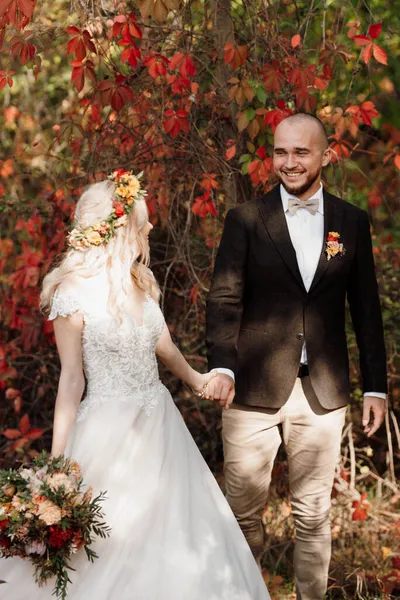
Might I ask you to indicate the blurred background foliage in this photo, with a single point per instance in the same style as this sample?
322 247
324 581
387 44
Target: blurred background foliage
191 92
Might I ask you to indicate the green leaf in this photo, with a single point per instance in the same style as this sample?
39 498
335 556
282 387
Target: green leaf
261 94
244 158
250 114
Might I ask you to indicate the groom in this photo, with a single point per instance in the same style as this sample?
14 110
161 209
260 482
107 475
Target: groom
276 325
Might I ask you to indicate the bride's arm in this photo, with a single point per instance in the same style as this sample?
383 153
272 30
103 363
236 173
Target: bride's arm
68 332
177 364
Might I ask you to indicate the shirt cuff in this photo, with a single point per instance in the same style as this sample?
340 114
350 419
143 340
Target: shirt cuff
376 394
226 372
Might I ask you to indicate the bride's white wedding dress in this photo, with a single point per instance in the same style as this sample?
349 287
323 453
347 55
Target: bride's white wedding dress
173 535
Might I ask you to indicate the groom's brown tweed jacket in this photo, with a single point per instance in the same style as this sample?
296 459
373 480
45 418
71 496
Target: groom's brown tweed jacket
259 312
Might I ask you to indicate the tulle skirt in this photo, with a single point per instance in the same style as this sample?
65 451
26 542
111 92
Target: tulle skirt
173 534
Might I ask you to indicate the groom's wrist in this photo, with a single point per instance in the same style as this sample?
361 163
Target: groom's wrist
375 395
225 372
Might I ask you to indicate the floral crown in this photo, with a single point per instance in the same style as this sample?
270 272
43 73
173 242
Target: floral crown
127 192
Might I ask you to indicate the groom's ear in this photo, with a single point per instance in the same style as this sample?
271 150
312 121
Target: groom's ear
327 156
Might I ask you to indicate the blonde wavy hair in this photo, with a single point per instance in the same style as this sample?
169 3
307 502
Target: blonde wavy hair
126 256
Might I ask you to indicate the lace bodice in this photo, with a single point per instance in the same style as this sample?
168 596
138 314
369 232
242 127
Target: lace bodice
119 357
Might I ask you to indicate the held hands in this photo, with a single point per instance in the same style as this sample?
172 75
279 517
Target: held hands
218 387
376 406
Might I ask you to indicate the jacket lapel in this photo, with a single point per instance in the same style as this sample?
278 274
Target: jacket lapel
273 217
333 221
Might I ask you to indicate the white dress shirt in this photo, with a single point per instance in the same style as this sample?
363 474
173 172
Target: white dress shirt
307 235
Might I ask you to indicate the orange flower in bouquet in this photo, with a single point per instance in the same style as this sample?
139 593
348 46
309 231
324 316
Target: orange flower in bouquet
47 515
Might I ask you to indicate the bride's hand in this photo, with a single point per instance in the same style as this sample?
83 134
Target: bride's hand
202 381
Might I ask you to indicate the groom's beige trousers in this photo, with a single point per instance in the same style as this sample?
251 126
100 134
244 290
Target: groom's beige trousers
312 438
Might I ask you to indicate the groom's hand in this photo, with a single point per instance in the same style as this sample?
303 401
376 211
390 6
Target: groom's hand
376 406
221 389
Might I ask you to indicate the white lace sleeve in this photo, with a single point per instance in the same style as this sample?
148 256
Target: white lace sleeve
63 304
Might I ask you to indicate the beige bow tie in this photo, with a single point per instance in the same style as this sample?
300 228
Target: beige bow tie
311 205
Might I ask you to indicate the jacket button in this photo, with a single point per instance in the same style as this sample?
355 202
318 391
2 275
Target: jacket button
300 336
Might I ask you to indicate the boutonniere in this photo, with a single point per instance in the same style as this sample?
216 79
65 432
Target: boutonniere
333 246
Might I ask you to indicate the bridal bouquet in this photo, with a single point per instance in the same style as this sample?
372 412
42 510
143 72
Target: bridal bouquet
46 516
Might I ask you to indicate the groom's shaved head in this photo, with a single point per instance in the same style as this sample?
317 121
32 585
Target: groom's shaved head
306 118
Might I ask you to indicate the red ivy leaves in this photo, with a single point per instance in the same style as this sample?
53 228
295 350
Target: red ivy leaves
274 117
115 92
129 30
296 40
209 182
273 77
157 64
370 48
24 434
185 63
131 54
20 47
126 27
260 168
79 43
17 12
361 508
176 122
365 112
6 79
203 206
230 149
80 71
235 55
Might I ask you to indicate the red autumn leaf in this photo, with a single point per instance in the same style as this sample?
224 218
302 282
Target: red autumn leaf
203 206
175 61
115 92
274 117
176 122
273 77
354 27
367 53
134 30
361 508
359 514
230 150
34 434
371 49
12 434
208 182
235 55
340 148
24 425
187 68
260 169
194 293
295 41
22 48
17 404
379 54
6 79
79 43
157 64
397 161
11 393
131 55
375 30
25 7
368 112
361 40
78 75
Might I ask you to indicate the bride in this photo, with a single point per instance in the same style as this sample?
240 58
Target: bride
173 534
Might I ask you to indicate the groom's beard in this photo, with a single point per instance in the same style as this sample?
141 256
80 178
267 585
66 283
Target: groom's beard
300 189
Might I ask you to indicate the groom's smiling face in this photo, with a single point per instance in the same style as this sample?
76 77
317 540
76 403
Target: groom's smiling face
300 152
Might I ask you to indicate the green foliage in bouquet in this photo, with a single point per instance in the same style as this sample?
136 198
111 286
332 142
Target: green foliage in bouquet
47 515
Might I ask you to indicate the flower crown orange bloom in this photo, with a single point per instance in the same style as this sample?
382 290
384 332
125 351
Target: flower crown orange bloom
128 190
